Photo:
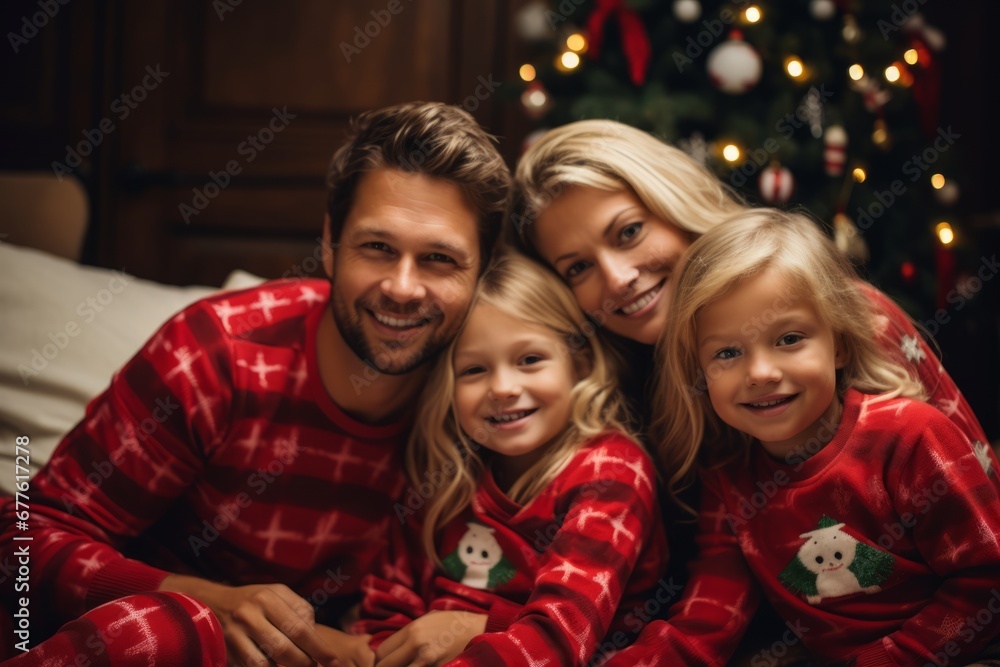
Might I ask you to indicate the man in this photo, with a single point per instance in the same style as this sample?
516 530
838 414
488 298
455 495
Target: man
249 455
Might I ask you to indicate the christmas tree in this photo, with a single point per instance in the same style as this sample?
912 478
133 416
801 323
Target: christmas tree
830 105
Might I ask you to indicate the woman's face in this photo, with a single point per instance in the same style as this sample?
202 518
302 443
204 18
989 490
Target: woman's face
615 255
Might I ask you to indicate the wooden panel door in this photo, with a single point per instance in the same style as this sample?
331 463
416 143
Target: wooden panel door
234 109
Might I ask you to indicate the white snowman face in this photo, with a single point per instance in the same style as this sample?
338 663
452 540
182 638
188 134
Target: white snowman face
478 548
827 549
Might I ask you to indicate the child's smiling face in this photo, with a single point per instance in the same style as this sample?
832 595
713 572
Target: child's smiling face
770 363
512 385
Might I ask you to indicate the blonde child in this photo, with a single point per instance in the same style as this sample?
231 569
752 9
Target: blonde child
538 531
866 518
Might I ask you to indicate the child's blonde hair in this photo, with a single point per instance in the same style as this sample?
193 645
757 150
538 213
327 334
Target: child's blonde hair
738 249
438 448
612 156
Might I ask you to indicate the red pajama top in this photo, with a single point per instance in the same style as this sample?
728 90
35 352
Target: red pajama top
884 547
898 339
216 451
582 560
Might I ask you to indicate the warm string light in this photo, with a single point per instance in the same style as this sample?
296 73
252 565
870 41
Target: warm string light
576 42
937 181
912 57
752 14
527 72
794 67
859 175
731 152
945 233
880 136
856 72
892 74
568 61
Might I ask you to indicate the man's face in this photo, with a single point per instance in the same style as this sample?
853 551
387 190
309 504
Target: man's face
404 268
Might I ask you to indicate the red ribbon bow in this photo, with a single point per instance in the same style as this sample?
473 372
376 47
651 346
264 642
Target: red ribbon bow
926 86
635 41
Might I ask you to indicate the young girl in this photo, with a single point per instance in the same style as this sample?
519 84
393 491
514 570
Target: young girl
540 525
867 519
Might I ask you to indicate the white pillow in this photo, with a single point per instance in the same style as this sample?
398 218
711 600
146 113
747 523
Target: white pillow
64 330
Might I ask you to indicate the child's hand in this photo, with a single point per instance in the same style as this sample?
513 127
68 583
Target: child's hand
351 650
433 639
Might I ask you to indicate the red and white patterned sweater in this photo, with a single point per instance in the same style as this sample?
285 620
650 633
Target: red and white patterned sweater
899 340
216 451
883 547
582 560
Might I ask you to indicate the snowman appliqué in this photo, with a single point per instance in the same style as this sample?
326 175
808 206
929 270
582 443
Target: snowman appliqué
832 563
478 561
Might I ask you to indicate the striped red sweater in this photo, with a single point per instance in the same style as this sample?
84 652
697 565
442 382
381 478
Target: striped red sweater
577 570
216 451
900 341
882 548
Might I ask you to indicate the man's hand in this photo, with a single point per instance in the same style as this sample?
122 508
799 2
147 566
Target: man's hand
263 624
433 639
353 650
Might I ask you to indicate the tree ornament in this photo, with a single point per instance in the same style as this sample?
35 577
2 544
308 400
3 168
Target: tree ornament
928 41
695 146
531 22
687 11
874 96
776 184
635 39
834 150
734 66
948 193
822 10
848 238
933 37
812 105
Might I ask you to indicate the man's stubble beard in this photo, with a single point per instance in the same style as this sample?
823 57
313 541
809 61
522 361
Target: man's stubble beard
398 361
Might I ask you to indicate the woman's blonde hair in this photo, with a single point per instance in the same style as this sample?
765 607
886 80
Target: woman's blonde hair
609 155
738 249
441 454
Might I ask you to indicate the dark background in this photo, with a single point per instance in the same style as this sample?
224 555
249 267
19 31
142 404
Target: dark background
232 62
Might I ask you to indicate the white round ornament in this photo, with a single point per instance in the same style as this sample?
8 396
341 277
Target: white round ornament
687 11
734 67
822 10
